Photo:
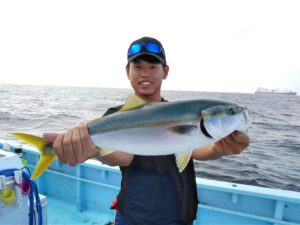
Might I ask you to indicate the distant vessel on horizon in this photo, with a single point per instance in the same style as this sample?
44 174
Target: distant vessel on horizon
261 90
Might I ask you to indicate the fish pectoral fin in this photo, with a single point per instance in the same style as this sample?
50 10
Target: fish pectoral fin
104 151
182 159
44 147
132 102
183 129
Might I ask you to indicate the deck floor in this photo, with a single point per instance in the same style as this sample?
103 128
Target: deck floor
64 213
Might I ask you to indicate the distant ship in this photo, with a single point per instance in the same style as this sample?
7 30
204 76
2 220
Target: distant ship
274 91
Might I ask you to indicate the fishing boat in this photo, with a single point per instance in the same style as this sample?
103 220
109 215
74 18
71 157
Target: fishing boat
83 194
265 91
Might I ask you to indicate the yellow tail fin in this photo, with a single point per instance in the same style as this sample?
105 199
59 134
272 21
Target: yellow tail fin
45 148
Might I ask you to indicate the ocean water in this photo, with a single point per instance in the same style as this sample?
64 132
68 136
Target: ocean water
271 160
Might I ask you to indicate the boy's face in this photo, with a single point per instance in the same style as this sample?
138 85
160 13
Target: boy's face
146 79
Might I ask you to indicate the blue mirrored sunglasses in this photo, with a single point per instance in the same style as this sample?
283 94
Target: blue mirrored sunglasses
149 46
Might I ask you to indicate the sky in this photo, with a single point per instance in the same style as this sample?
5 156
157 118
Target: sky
216 45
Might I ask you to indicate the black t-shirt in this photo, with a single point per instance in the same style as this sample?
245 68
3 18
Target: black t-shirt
153 192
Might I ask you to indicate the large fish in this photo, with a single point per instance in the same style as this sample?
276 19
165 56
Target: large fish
156 129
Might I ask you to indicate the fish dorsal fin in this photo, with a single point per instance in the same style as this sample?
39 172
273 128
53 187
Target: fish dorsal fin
132 102
182 159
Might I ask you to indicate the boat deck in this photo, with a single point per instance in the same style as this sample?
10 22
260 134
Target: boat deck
83 194
65 213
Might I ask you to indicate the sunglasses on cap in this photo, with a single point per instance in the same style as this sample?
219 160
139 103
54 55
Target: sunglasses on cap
150 47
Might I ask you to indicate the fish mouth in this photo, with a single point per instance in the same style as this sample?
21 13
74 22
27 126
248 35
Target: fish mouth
203 129
247 119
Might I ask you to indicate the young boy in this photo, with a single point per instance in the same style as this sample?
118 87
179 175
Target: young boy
153 192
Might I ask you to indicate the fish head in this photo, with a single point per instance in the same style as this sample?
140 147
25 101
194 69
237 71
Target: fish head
221 120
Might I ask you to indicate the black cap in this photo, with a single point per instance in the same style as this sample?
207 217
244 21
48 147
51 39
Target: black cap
160 56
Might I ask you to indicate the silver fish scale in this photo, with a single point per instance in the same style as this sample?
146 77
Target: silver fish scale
154 115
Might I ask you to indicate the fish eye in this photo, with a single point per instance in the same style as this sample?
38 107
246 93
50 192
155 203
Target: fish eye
231 110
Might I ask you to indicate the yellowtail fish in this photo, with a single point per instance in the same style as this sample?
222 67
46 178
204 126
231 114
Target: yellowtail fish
163 128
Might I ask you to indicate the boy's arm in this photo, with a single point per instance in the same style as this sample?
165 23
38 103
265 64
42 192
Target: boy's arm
75 146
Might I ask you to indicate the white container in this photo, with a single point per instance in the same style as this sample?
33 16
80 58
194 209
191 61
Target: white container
16 213
9 160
